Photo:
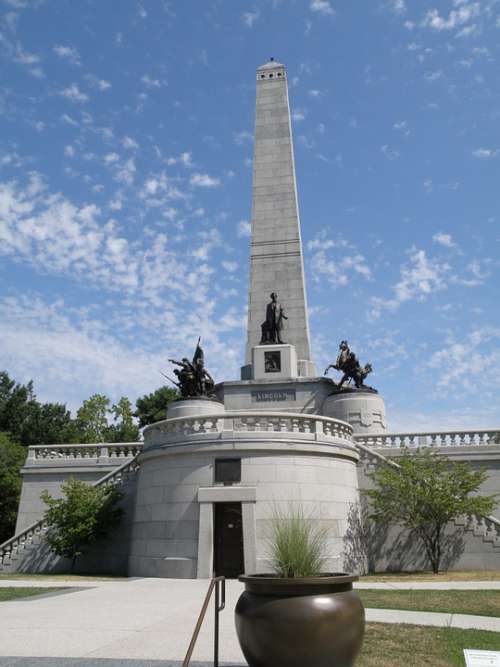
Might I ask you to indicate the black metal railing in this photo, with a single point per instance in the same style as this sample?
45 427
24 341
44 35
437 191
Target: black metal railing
219 585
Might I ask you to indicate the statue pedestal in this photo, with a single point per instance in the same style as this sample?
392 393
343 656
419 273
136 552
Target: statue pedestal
274 362
199 405
363 410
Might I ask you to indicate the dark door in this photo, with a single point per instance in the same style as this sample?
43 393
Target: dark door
228 540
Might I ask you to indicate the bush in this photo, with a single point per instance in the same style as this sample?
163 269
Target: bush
83 516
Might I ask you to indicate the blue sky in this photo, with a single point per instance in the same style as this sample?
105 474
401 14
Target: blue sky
125 191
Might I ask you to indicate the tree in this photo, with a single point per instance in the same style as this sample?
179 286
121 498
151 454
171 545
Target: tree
152 407
28 421
12 457
84 515
92 420
46 423
124 429
424 493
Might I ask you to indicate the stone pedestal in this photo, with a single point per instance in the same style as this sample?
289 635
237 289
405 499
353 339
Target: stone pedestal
363 410
188 407
274 362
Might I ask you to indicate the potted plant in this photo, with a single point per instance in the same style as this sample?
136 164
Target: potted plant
299 616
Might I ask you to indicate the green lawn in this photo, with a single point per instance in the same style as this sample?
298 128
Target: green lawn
388 645
16 593
482 603
473 575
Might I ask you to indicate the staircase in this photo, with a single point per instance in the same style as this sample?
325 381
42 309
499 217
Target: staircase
15 550
480 534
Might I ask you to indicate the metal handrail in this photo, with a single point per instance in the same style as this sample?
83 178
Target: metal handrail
219 584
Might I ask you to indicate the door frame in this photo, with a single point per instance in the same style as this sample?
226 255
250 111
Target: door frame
245 495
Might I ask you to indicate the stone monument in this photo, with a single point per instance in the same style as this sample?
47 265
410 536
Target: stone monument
276 263
213 472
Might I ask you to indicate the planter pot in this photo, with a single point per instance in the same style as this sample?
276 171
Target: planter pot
311 622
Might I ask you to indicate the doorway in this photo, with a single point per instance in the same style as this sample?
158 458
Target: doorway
228 540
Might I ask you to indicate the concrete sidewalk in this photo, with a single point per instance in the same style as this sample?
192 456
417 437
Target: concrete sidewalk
139 622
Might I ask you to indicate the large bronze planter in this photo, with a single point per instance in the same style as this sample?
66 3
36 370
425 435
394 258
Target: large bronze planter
313 622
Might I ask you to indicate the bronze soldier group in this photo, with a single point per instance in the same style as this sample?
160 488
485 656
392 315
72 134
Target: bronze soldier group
193 379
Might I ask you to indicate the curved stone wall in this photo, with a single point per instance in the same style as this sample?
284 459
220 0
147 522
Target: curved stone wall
286 460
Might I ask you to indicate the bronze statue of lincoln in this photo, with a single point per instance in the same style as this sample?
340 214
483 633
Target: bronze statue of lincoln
272 327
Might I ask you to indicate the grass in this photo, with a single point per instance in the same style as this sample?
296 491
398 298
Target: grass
389 645
473 575
482 603
7 594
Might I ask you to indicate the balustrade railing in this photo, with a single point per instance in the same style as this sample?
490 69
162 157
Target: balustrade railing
451 438
253 422
97 452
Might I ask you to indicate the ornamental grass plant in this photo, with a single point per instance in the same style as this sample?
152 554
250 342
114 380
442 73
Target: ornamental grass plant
297 545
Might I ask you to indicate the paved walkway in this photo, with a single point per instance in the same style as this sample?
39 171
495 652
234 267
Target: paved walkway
148 623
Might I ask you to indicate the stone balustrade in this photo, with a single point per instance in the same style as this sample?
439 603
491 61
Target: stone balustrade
109 452
452 438
287 424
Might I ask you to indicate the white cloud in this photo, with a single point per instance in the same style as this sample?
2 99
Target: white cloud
69 53
397 6
249 18
485 153
456 18
322 7
244 228
204 181
430 77
149 82
390 153
466 362
298 115
419 278
337 268
99 84
73 94
129 143
231 267
185 158
444 239
242 137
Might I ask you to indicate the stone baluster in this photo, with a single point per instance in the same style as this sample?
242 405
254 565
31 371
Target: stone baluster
295 425
307 425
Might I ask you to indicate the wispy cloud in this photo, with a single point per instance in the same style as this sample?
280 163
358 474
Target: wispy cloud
204 181
74 94
249 18
419 278
323 7
68 53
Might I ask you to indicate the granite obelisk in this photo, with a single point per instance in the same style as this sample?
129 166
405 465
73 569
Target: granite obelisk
276 262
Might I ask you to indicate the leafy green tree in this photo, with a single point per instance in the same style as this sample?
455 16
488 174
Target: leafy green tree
46 423
424 494
91 418
28 421
124 429
12 457
152 407
84 515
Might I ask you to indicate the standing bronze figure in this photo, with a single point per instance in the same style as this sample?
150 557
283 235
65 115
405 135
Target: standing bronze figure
272 327
347 362
193 378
